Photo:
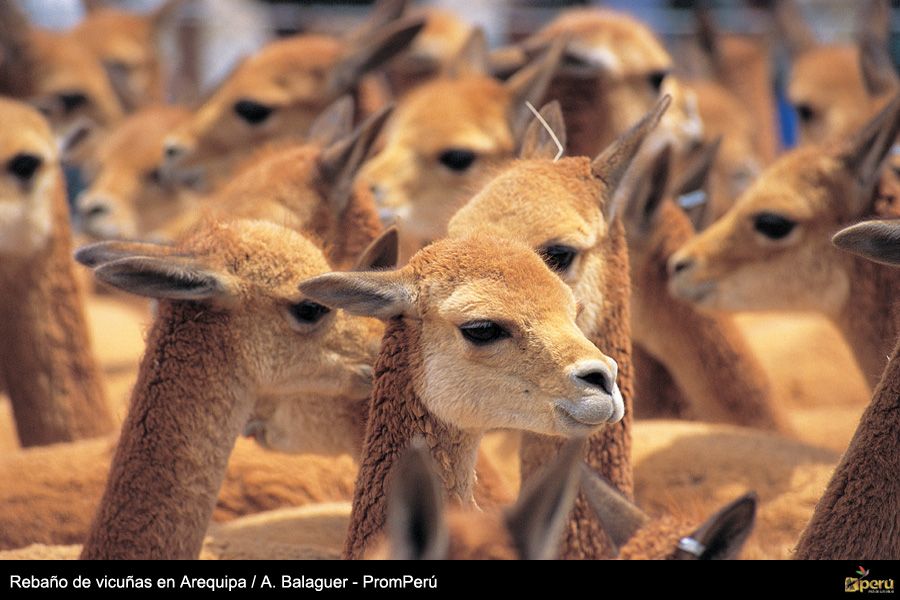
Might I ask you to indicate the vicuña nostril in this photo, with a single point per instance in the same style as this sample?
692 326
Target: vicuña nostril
597 374
173 151
679 264
598 379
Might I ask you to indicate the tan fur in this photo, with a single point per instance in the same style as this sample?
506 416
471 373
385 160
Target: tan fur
624 56
436 45
826 82
432 382
692 469
296 77
127 196
48 367
61 486
707 355
723 267
210 389
857 515
65 67
126 45
465 110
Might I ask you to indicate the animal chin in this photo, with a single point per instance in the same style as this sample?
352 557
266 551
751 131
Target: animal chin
589 414
697 293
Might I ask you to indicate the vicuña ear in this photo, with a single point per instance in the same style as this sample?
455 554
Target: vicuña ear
340 162
863 154
368 53
876 240
529 85
333 123
171 278
610 166
647 194
416 513
689 190
378 294
537 519
545 136
723 535
793 27
94 255
382 254
472 58
621 518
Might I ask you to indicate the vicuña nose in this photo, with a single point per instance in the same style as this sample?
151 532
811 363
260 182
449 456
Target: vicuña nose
597 374
680 263
173 150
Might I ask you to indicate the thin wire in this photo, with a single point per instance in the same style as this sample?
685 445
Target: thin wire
549 130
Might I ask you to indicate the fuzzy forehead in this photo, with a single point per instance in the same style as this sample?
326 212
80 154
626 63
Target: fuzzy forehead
258 251
796 184
493 273
23 129
615 40
469 111
539 201
297 66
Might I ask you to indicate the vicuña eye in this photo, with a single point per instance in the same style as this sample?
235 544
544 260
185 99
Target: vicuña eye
559 258
72 100
774 227
308 312
252 112
24 165
483 332
457 159
656 79
805 112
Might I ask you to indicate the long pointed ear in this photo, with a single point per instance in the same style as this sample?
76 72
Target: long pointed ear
378 294
367 54
529 85
382 254
537 519
723 535
708 36
416 520
165 12
340 162
876 240
100 253
873 39
620 517
381 14
506 60
864 153
612 163
172 278
793 27
545 136
689 190
333 123
18 72
472 58
647 194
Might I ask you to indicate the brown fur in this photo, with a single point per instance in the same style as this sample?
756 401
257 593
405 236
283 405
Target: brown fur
127 197
48 367
618 92
164 479
821 190
471 271
706 354
297 77
126 45
61 486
